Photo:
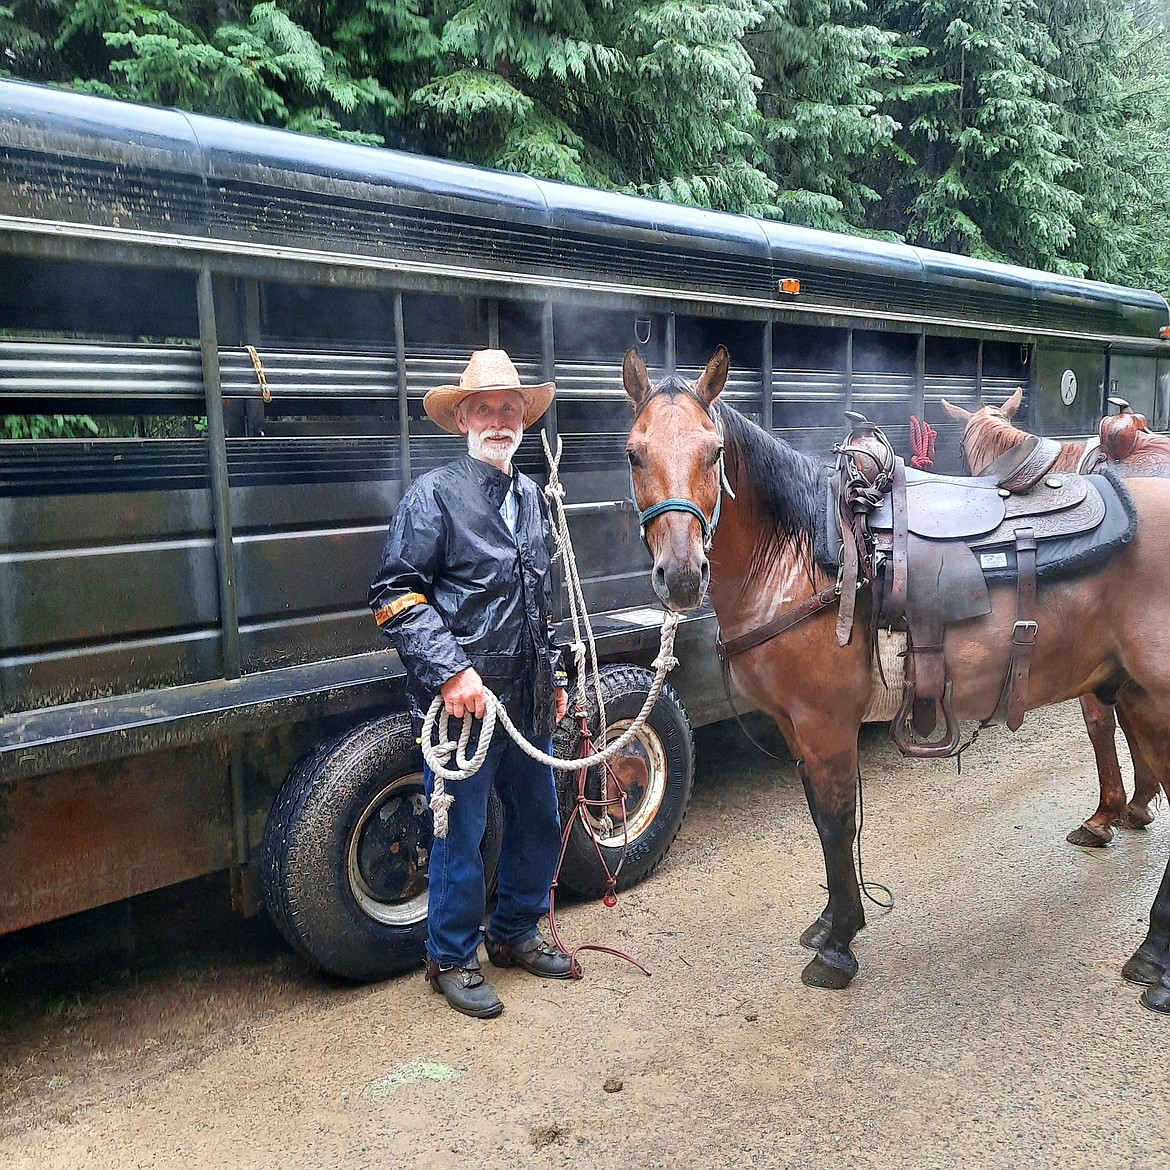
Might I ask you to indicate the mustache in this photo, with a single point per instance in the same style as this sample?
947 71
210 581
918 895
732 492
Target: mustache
497 443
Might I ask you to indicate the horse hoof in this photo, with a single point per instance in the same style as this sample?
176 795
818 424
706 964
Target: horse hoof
1136 818
827 976
1090 837
1143 968
815 935
1157 999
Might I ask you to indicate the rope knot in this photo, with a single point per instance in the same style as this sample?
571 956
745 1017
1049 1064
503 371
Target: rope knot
441 801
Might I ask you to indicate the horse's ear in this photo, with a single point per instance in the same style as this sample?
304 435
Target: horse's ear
714 377
634 377
957 412
1010 407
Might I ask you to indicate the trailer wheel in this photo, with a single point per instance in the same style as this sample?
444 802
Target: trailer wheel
657 795
346 850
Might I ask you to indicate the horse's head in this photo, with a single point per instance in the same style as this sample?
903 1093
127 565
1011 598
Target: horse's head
676 472
988 432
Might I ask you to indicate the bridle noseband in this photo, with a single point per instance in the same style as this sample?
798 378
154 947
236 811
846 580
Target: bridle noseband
677 503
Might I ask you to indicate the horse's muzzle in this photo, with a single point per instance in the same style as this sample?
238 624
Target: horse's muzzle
681 587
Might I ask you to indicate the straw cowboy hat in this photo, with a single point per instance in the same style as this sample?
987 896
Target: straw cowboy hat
488 369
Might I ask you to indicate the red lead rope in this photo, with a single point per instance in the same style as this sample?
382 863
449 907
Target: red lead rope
922 437
580 805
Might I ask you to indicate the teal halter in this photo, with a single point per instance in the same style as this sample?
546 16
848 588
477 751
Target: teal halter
677 504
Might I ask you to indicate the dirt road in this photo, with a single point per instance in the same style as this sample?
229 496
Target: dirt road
989 1026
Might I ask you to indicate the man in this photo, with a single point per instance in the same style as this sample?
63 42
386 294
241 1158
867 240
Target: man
464 594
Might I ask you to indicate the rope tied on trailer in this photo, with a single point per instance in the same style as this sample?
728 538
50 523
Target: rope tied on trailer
438 753
922 437
261 377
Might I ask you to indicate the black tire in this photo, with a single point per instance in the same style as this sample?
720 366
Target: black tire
346 849
654 815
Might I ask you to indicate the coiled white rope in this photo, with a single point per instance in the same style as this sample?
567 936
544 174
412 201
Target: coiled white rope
438 753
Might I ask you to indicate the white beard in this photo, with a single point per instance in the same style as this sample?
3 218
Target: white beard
481 445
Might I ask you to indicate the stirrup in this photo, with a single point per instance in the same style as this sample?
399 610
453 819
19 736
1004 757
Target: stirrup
940 748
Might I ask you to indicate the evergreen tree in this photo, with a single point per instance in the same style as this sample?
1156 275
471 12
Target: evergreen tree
656 96
26 34
1036 131
1115 104
983 166
822 67
1141 228
265 68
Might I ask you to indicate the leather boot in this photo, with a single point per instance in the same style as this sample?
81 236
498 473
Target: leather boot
466 989
534 953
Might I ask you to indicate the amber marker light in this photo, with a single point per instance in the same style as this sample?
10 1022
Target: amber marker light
1164 332
791 285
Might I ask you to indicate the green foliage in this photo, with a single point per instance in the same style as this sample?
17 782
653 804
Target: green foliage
1036 131
654 97
269 69
21 44
981 121
1116 119
47 426
822 66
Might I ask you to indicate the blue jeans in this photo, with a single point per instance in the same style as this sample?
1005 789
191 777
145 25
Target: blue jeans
528 857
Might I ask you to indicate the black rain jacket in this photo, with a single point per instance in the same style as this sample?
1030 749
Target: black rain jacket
488 592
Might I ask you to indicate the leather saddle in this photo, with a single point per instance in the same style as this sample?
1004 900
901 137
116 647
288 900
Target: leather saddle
1126 444
932 544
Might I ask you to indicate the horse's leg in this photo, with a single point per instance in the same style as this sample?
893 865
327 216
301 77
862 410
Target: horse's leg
1101 724
1149 731
830 780
813 936
1150 963
1137 813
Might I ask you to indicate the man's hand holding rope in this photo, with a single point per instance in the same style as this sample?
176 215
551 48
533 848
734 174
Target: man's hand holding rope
464 692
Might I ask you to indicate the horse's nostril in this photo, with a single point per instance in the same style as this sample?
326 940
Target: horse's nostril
658 580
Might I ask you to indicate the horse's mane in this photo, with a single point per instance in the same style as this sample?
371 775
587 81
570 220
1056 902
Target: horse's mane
784 480
988 436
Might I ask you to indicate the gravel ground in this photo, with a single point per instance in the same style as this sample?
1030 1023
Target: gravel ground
989 1026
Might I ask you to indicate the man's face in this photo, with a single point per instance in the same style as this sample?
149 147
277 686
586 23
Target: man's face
493 421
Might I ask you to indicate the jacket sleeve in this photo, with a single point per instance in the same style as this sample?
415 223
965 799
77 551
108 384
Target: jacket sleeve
556 659
401 593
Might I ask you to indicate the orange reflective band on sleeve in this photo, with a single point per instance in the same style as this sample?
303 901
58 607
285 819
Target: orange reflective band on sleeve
383 615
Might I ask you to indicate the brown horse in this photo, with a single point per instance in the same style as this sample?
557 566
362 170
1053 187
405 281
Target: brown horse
731 510
1130 449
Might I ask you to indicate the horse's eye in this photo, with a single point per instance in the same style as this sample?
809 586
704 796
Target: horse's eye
634 458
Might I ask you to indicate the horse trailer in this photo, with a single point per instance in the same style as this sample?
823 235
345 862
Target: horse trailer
214 343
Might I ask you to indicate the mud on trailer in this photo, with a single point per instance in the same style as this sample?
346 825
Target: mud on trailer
214 343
